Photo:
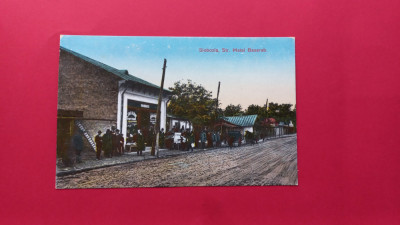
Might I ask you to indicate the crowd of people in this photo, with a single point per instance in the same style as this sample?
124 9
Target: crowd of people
204 139
112 143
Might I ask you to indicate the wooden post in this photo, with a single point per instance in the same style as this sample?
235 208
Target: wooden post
157 147
216 108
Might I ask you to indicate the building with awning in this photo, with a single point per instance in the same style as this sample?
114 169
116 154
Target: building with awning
241 123
94 96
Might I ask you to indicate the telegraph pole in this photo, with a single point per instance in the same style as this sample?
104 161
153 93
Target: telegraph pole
157 147
216 108
219 84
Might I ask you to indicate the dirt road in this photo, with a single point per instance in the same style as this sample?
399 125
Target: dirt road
273 162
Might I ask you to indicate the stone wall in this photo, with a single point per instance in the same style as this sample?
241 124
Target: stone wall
88 88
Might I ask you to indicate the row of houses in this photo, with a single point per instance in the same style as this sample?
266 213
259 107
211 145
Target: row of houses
94 96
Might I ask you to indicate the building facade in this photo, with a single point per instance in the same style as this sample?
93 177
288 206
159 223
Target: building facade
93 96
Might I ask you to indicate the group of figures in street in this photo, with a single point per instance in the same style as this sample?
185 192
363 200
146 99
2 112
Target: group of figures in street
203 139
111 143
212 138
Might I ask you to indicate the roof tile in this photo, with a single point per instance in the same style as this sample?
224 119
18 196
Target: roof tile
243 121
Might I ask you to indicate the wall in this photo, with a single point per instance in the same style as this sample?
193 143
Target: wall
88 88
93 126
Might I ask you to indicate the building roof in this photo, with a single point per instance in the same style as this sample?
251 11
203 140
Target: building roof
225 123
242 121
124 74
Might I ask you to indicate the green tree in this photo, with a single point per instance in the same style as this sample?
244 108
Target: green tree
193 102
282 112
233 110
256 110
261 113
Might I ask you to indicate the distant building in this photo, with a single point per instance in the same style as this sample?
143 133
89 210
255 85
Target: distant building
95 96
245 123
237 123
178 122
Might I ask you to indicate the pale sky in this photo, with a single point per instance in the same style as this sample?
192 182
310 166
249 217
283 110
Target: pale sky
246 77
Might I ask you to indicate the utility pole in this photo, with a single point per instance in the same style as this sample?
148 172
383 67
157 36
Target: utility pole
157 147
216 108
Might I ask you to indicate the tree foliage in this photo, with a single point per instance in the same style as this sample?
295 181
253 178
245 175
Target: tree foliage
282 112
191 101
256 110
233 110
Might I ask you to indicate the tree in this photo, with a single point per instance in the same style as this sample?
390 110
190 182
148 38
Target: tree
233 110
261 113
282 112
193 102
256 110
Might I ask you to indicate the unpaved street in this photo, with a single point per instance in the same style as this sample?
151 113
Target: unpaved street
273 162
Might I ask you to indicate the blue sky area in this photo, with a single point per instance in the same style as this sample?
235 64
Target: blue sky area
246 77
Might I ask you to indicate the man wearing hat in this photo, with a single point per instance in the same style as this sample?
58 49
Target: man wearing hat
99 144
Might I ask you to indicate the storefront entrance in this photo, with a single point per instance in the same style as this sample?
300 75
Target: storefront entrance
141 116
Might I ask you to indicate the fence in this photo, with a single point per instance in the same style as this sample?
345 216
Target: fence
275 132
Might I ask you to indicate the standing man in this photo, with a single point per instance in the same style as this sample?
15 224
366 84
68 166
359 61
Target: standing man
209 140
218 139
107 142
140 143
182 129
114 141
189 141
121 143
203 138
99 144
77 145
162 138
214 138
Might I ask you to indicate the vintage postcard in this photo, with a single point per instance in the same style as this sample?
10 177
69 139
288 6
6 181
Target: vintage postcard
176 112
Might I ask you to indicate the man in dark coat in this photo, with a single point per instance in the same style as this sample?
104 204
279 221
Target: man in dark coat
121 143
68 154
107 143
77 145
203 139
214 138
99 144
140 143
114 141
209 140
218 139
230 140
162 138
189 140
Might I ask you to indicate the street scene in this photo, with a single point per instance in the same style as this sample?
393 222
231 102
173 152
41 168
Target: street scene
220 116
273 162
